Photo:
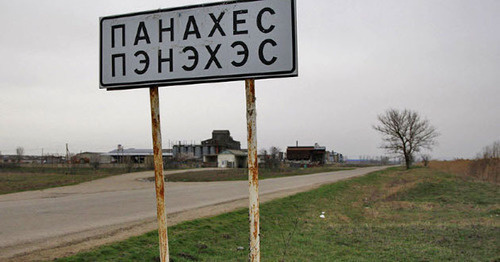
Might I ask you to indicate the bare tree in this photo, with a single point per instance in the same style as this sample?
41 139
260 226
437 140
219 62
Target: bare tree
426 158
19 153
492 151
384 160
487 164
274 151
274 157
263 152
405 133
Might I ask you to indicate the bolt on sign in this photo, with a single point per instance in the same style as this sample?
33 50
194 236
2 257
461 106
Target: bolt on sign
224 41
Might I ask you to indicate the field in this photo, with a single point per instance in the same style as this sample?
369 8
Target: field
17 179
421 214
242 174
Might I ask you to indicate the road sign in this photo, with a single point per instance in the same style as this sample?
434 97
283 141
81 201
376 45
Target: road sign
225 41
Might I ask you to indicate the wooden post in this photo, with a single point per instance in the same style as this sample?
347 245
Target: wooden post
159 178
253 172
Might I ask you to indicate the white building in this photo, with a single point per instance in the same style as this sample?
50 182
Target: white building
232 159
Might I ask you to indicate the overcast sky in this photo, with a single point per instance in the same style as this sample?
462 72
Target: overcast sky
356 60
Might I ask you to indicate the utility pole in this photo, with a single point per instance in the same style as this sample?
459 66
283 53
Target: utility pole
67 154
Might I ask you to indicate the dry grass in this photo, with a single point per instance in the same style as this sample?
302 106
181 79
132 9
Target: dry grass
11 182
486 169
458 167
16 179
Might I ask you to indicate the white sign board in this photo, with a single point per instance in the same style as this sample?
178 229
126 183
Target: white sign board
196 44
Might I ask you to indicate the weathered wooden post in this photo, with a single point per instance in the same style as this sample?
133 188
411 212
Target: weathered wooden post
253 172
159 178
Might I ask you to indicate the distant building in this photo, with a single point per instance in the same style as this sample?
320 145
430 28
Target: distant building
132 155
232 159
209 149
53 159
221 140
91 157
314 153
27 159
334 157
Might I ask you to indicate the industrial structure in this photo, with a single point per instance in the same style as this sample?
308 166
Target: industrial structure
132 155
208 150
313 154
221 150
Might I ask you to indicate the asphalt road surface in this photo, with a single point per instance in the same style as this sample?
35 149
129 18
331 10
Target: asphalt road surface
57 216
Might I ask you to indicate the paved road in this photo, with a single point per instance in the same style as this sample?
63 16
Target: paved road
30 217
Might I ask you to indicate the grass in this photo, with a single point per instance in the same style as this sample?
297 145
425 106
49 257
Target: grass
17 179
420 214
486 169
242 174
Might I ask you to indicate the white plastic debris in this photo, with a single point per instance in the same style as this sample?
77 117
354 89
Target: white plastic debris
322 215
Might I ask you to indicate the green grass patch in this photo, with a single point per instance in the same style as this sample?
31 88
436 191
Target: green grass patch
392 215
234 174
457 192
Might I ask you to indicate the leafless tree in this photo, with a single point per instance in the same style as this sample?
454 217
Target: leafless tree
405 133
384 160
274 154
263 152
487 164
425 159
491 151
19 153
